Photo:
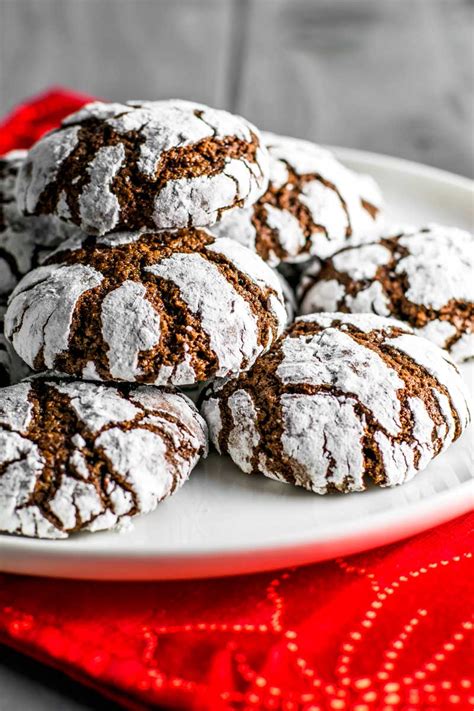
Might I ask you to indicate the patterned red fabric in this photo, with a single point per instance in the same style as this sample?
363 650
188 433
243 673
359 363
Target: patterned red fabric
384 630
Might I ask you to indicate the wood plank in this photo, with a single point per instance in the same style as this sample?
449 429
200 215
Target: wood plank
27 685
384 75
117 49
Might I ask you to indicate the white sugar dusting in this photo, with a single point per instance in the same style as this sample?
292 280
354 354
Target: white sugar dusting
41 310
90 372
243 437
438 364
211 412
290 233
373 299
22 464
333 197
151 129
323 296
312 438
435 267
463 348
24 241
96 405
98 206
334 358
42 164
15 408
237 225
356 392
363 322
398 460
248 263
361 262
438 332
327 211
176 204
75 498
209 295
130 325
439 266
139 456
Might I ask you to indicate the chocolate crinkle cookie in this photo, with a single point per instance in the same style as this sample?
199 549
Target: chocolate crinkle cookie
144 165
421 276
80 456
313 206
341 400
12 368
24 241
178 307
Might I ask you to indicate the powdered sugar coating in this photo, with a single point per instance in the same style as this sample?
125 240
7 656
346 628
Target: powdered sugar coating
24 241
313 206
363 322
210 294
244 436
97 202
438 364
361 263
311 437
333 357
188 164
226 303
421 275
43 292
146 444
339 400
438 266
129 325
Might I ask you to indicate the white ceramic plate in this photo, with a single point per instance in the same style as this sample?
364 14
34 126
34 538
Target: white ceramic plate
225 522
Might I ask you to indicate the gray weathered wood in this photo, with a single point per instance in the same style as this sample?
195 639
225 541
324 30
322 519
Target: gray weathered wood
26 685
394 76
116 49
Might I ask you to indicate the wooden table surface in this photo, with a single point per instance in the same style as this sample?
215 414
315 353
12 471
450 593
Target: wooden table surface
393 76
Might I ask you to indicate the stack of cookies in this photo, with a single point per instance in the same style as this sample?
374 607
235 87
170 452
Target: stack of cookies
143 252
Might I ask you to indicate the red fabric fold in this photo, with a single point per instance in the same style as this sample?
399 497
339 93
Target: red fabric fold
34 117
389 629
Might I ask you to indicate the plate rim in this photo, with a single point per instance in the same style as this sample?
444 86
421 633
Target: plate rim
413 509
384 160
143 566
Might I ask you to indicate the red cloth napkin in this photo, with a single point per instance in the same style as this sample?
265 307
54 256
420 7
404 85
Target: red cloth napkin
386 630
29 120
